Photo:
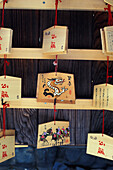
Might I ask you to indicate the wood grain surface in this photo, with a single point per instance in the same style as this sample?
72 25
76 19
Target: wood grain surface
84 33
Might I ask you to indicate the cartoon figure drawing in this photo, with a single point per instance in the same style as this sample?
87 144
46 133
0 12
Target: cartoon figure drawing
56 136
52 84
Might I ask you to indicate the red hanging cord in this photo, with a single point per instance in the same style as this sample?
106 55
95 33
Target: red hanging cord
4 1
110 19
5 62
56 66
56 5
107 75
103 124
4 115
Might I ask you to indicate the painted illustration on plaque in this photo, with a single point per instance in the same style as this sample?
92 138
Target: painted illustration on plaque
60 87
53 135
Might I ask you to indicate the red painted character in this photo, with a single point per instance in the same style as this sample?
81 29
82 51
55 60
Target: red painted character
4 154
53 45
4 94
101 151
53 36
0 47
4 146
0 38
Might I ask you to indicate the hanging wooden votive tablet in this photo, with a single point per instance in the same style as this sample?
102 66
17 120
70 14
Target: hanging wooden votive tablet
7 145
5 40
51 86
101 146
107 39
10 88
55 40
103 96
50 134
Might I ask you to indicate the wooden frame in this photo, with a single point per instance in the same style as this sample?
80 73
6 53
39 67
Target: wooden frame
94 5
31 103
73 54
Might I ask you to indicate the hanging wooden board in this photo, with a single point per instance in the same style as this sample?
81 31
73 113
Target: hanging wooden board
61 87
53 135
55 40
109 2
7 145
107 39
10 88
101 146
103 96
5 40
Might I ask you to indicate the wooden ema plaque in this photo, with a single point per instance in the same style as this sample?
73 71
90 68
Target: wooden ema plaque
10 88
5 40
55 40
50 135
7 145
61 87
103 96
109 2
107 39
101 146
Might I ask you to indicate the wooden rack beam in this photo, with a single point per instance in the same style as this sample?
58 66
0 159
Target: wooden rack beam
21 146
94 5
31 103
73 54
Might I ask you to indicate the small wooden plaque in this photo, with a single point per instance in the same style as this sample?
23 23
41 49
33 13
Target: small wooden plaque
103 96
109 2
55 40
5 40
61 87
10 88
107 40
7 145
53 135
101 146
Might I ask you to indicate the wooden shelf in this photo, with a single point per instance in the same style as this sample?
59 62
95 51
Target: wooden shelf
73 54
94 5
31 103
21 146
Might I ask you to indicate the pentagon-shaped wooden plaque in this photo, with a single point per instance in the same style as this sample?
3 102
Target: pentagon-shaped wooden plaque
61 87
55 40
101 146
50 135
10 88
5 40
7 145
103 96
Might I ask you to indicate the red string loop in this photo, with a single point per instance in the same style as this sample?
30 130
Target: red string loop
4 1
107 75
110 19
103 124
